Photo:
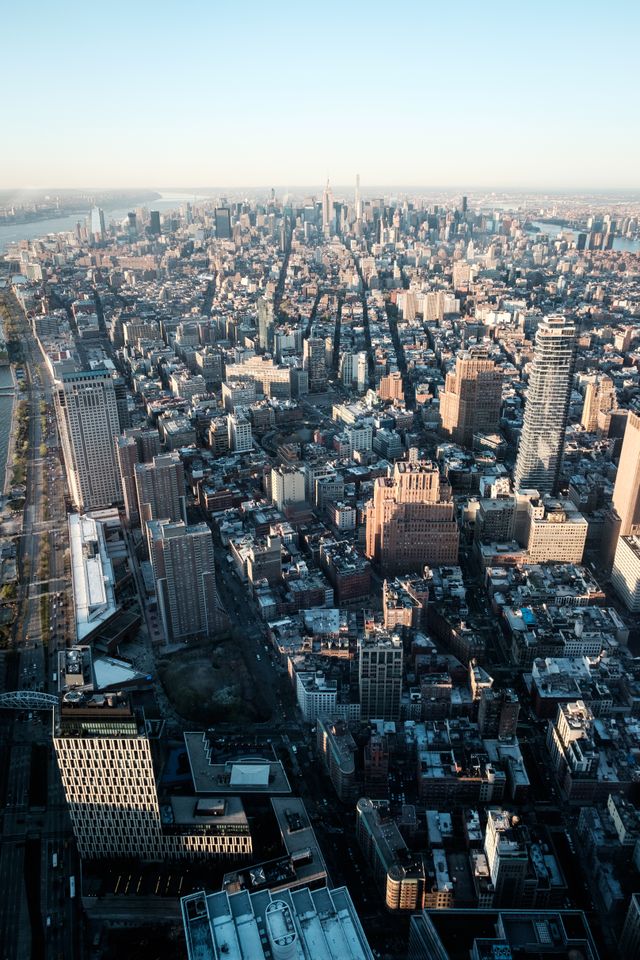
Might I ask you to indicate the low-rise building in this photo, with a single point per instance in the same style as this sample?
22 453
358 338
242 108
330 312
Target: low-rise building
348 571
593 757
485 933
239 433
316 695
404 602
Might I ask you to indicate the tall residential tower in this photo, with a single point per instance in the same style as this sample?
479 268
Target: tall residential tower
87 414
184 570
547 407
160 488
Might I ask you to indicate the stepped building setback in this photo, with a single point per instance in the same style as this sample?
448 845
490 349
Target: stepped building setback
411 521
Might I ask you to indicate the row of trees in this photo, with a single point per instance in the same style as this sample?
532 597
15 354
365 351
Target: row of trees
13 325
12 322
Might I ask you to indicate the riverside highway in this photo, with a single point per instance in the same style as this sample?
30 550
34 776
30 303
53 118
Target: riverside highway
31 891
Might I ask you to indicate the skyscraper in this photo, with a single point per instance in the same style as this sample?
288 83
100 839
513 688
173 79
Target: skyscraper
184 569
132 225
623 519
98 228
380 675
136 445
547 406
239 433
160 488
87 414
391 387
287 485
625 576
154 223
626 492
265 323
471 400
327 210
314 361
127 455
630 937
498 713
358 199
122 402
114 811
411 520
109 753
147 441
223 223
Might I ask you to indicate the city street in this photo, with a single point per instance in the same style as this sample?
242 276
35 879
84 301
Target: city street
44 520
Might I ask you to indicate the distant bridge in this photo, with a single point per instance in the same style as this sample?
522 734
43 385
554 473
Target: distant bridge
28 700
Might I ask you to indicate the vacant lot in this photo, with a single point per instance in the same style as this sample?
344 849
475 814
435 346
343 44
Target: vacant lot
211 684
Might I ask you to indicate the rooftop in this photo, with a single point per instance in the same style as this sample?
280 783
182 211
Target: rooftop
287 872
111 672
215 773
554 934
92 575
298 836
633 543
300 925
223 812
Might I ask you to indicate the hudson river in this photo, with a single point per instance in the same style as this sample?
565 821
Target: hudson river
31 231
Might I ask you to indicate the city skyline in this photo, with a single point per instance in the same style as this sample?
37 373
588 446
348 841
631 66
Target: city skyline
320 565
200 96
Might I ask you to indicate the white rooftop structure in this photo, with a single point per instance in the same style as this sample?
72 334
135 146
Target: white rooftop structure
300 925
92 575
250 775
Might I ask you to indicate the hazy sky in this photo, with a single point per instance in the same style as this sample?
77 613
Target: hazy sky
189 93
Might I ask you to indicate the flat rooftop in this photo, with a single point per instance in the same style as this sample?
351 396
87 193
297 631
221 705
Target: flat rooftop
298 836
320 924
303 869
633 543
75 668
238 775
223 812
92 575
529 933
112 672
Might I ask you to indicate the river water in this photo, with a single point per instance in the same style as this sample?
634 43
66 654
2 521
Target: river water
31 231
553 229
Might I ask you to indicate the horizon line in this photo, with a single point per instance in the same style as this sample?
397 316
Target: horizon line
521 188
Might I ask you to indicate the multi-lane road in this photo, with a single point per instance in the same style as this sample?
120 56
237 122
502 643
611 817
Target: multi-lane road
37 917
